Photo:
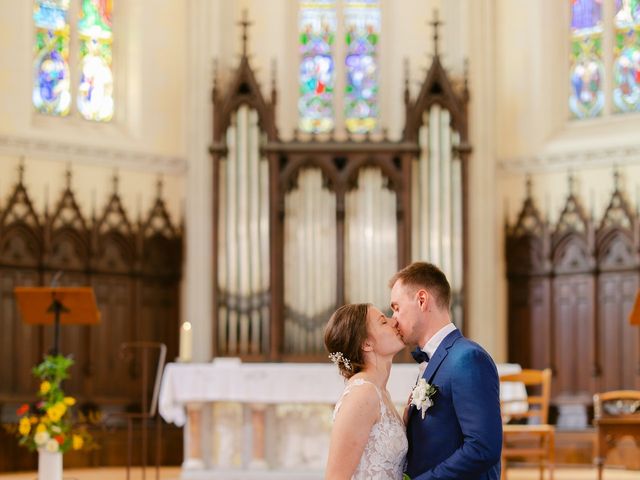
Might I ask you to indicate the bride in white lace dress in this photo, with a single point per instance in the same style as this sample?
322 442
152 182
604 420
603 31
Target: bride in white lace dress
368 440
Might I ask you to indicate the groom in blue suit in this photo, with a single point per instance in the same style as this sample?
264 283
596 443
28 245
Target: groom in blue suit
459 437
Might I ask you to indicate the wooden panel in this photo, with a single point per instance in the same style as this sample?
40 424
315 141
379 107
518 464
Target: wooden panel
573 337
618 341
529 322
158 320
114 295
20 344
539 301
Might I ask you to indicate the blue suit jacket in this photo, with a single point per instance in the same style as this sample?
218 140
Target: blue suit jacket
461 435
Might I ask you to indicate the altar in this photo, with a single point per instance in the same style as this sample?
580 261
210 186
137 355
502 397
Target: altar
265 420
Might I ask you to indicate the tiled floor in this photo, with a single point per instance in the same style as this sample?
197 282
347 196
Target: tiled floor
173 473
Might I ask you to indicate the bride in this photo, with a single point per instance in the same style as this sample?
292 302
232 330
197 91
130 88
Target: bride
368 440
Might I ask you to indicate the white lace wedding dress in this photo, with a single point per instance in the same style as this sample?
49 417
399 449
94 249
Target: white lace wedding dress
386 450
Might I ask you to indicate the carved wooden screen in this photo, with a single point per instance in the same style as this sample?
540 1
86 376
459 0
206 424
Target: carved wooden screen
618 261
66 259
337 221
529 288
570 292
21 250
573 290
135 271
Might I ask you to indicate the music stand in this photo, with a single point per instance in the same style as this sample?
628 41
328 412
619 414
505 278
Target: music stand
57 306
634 315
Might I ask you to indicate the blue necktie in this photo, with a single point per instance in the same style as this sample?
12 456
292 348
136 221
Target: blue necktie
419 356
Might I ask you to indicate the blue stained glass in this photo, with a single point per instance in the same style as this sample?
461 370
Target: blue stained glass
362 22
317 24
627 12
586 97
50 16
585 14
95 91
51 78
626 65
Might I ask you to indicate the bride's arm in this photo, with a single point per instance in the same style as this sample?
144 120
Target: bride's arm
360 409
405 414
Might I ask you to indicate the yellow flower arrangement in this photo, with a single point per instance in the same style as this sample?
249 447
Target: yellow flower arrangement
48 423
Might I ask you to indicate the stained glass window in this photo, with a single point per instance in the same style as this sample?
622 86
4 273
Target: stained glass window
362 25
586 98
51 82
95 91
317 27
626 63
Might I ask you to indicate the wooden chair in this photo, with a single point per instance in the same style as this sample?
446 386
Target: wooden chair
616 414
536 438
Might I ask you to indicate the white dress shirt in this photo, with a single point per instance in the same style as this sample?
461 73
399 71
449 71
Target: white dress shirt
434 342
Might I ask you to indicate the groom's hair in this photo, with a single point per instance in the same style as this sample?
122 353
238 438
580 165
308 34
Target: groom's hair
428 276
345 333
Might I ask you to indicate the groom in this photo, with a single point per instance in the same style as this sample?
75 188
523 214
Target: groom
460 435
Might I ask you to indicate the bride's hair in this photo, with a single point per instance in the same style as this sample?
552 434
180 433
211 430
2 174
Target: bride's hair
346 332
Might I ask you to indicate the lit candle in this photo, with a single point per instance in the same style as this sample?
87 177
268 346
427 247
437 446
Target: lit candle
185 342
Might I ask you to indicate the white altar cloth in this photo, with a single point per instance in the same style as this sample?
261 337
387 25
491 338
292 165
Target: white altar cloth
229 380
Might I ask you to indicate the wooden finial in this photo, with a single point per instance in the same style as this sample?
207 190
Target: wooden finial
436 24
274 72
407 93
466 76
572 183
215 78
506 212
245 24
46 200
94 206
68 176
115 180
21 170
616 178
529 186
159 185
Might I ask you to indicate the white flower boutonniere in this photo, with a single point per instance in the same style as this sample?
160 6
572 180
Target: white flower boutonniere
422 395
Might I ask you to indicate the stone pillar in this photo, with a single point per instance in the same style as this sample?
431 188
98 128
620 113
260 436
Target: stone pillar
193 452
258 436
198 276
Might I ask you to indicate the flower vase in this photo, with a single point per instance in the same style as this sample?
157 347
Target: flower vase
49 465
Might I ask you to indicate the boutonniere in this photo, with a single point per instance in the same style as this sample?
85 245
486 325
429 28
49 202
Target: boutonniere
422 395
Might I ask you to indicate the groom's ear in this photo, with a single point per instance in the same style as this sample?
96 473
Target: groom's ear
423 299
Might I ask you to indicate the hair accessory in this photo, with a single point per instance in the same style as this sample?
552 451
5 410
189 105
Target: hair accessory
338 358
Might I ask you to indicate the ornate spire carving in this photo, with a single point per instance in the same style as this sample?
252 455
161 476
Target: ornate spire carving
245 24
436 24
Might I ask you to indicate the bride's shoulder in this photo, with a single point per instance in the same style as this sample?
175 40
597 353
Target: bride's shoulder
359 401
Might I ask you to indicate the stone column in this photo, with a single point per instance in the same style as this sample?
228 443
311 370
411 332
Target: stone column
193 457
487 316
258 436
198 285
